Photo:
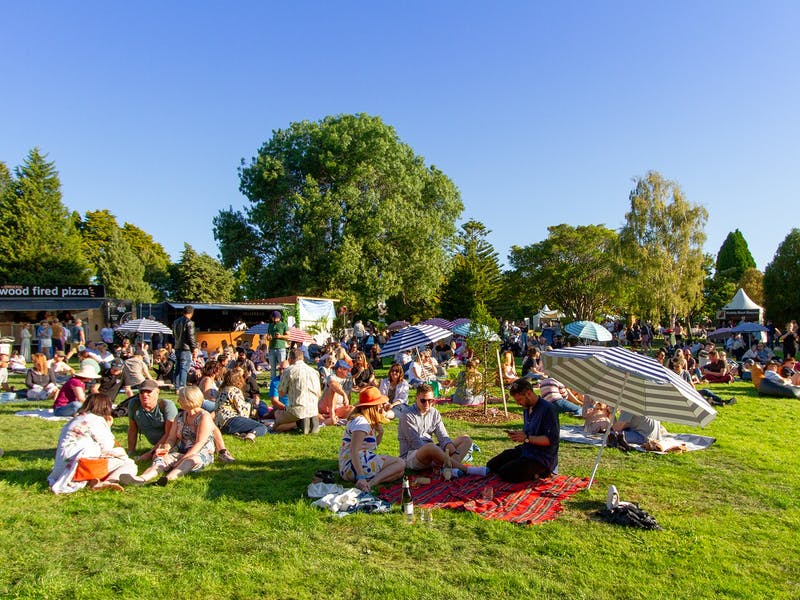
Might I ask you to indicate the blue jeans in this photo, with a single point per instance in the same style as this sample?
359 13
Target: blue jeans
182 368
244 425
209 406
276 356
564 406
68 410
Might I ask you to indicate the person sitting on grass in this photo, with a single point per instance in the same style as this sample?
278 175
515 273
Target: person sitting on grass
509 368
469 385
678 366
395 388
562 398
597 415
716 370
358 460
40 381
362 373
772 372
536 454
60 368
154 418
300 383
232 414
417 428
72 394
334 405
532 364
189 446
88 436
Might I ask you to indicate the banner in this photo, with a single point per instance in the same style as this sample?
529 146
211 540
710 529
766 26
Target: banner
52 291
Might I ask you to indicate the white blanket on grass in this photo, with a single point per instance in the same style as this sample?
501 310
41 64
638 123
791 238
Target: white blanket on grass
42 413
576 434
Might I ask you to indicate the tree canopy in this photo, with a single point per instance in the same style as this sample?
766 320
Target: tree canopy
200 278
121 270
661 246
782 280
574 269
38 239
475 274
734 257
342 204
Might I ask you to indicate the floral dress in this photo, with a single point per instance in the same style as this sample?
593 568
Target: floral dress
370 461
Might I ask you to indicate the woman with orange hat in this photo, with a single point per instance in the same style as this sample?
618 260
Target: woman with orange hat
358 460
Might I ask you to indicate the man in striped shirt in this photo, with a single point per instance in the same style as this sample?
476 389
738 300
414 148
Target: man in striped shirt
557 394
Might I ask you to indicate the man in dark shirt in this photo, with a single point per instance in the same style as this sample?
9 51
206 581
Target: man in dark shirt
185 343
537 453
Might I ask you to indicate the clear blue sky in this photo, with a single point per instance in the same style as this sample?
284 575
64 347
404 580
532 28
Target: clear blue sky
542 113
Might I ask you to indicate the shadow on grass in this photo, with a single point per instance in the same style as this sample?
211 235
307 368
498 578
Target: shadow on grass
26 477
267 481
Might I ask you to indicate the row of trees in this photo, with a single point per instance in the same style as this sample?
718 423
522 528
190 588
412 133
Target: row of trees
41 242
343 208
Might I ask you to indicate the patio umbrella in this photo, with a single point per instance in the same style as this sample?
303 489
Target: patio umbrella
259 329
748 327
397 325
411 337
722 332
439 322
299 336
632 382
589 330
461 321
144 326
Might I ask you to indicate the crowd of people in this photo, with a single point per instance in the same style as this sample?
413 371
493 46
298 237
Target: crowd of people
332 385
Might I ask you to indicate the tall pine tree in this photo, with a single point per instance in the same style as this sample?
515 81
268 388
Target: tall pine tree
121 270
38 239
734 257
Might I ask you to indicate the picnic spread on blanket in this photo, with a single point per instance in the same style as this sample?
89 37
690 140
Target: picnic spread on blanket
528 502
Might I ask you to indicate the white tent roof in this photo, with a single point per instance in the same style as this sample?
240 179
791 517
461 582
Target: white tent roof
741 301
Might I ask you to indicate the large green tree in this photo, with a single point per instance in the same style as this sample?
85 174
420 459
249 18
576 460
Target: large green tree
200 278
752 282
121 270
574 269
39 243
782 280
734 257
661 245
475 275
344 204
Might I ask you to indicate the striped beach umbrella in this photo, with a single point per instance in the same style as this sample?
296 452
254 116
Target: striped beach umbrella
144 326
411 337
439 322
299 336
589 330
258 329
628 381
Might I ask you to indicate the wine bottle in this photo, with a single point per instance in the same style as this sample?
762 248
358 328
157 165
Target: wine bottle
407 502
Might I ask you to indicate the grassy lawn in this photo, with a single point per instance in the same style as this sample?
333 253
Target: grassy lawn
730 515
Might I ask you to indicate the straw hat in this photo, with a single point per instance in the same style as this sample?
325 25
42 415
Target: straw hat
87 373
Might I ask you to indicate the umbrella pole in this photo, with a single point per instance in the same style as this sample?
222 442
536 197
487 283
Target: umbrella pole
605 439
502 386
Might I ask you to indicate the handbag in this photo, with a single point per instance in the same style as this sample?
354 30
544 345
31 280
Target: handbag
91 468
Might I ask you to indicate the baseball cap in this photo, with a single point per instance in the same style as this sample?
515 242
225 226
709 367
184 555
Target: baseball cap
148 385
341 364
117 363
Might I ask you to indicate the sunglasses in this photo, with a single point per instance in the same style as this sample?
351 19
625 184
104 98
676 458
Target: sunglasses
425 400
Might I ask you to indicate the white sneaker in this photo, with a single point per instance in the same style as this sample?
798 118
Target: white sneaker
128 479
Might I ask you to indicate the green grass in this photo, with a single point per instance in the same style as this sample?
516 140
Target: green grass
730 515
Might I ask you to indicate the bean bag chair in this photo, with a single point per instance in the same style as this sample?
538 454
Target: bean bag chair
771 388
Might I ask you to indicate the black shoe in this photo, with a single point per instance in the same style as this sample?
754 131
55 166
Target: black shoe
622 443
162 481
731 401
612 440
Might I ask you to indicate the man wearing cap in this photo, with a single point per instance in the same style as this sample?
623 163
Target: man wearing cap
154 418
277 341
300 383
335 402
149 416
416 429
73 393
185 343
537 453
111 383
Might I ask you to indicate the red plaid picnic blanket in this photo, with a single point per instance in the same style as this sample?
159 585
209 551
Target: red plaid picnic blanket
528 502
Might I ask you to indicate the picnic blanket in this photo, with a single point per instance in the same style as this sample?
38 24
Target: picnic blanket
42 413
527 503
692 442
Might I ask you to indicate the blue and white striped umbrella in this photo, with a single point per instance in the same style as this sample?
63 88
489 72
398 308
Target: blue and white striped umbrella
628 381
258 329
439 322
589 330
144 326
414 336
634 383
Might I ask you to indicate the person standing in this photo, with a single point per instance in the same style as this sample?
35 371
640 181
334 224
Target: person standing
277 341
25 341
185 344
77 335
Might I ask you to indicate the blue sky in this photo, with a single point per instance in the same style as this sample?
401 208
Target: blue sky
540 113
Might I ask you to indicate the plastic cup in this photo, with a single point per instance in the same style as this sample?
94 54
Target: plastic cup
487 493
425 516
